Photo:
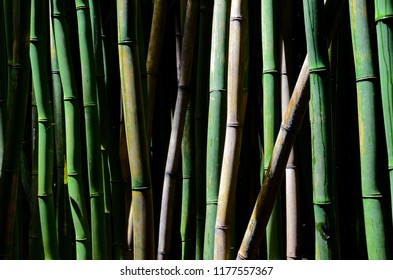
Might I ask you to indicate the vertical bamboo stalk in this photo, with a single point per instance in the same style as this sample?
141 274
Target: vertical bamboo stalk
201 107
236 105
365 82
73 137
216 119
326 227
3 81
274 231
16 118
183 95
153 58
39 64
384 27
142 206
94 166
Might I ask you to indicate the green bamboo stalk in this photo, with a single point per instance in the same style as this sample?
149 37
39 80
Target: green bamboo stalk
384 27
153 58
8 27
274 231
216 119
326 227
16 118
271 182
236 105
90 98
365 81
183 96
201 107
63 210
39 65
187 223
142 197
73 138
35 249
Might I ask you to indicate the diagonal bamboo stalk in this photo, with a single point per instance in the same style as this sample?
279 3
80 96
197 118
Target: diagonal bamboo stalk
134 120
16 118
365 81
173 157
39 65
236 105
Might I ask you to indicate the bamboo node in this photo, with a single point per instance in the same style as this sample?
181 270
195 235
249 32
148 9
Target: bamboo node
97 194
89 105
317 70
366 78
126 42
81 7
212 202
222 227
34 40
286 127
237 18
234 124
140 187
220 90
241 257
382 18
184 87
270 71
16 66
69 98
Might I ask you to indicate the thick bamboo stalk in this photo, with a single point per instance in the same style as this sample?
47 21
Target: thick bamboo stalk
16 118
3 81
142 206
94 167
236 105
73 137
173 157
201 107
216 119
384 27
39 64
153 58
365 82
326 227
293 118
270 58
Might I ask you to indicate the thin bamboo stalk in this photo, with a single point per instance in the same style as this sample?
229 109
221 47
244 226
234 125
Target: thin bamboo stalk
384 27
8 26
187 223
90 98
365 81
35 249
326 226
73 137
183 95
135 128
293 225
201 106
16 119
236 105
39 65
270 58
216 119
3 81
153 58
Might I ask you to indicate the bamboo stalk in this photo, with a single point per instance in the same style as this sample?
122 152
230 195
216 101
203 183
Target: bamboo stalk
172 162
8 27
365 81
3 81
94 166
293 225
201 106
73 137
16 118
236 105
326 227
293 118
274 231
216 119
384 26
153 58
35 249
135 130
39 65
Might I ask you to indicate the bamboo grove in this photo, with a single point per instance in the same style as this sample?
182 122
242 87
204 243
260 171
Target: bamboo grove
196 129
